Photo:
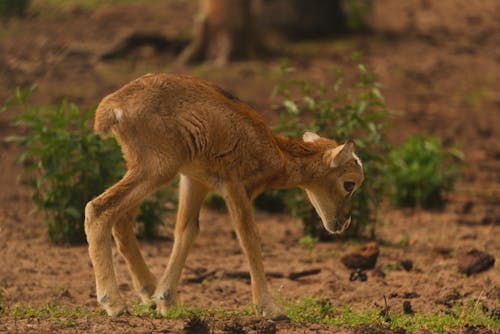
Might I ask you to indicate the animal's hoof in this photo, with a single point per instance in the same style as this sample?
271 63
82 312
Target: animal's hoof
115 310
146 292
161 302
271 310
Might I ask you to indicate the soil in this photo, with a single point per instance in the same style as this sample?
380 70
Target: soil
439 65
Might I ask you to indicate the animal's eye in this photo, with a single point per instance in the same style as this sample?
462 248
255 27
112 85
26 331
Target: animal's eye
349 186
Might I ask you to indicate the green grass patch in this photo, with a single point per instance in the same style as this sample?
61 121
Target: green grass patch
310 310
50 310
307 310
182 312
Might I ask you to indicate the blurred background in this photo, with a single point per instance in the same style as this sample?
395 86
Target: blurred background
437 61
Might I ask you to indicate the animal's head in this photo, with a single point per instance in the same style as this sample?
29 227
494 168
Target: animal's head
341 175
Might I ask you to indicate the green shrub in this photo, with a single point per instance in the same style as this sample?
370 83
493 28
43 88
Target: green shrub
421 172
10 8
341 113
67 164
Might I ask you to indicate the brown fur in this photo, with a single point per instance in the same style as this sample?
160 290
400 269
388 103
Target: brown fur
168 124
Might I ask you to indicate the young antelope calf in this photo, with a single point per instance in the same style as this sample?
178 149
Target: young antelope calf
168 124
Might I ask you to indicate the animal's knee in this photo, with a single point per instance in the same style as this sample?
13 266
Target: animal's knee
95 226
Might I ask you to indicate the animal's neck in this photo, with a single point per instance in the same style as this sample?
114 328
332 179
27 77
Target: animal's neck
301 162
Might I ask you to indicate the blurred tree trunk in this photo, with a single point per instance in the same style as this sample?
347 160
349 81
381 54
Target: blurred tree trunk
226 31
302 19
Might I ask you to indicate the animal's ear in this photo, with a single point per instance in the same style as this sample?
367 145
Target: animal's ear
340 154
310 137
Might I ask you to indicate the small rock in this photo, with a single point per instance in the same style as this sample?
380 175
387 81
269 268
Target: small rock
233 327
490 217
65 293
379 272
467 207
406 264
265 327
410 295
364 258
196 325
407 307
358 274
448 296
475 261
445 251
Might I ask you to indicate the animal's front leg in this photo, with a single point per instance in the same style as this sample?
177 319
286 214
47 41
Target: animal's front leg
241 213
191 195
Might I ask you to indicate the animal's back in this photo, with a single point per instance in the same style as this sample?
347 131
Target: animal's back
209 123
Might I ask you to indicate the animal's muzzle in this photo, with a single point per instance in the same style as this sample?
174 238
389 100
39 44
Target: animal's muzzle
338 230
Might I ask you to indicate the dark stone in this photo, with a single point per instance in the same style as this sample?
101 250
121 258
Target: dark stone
364 258
475 261
196 325
467 207
358 274
233 327
407 264
448 297
407 307
410 295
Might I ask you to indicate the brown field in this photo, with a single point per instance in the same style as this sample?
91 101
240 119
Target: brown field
439 66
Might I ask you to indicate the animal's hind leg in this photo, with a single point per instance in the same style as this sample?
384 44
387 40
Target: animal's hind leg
126 242
191 195
100 214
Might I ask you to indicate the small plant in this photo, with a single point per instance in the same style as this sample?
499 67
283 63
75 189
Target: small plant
309 242
355 112
421 172
357 12
67 164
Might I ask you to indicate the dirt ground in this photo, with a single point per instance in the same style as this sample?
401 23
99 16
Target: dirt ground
439 66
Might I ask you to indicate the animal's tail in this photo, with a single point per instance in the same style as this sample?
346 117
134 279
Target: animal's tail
107 115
